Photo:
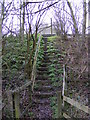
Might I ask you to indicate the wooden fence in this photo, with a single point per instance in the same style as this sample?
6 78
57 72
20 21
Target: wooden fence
61 98
14 95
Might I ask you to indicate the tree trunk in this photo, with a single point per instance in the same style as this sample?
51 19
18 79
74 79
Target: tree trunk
30 62
84 20
73 18
3 11
1 23
1 61
20 24
23 21
89 17
34 42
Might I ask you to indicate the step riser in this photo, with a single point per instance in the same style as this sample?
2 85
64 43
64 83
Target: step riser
41 78
43 81
46 60
43 96
43 90
40 102
45 65
43 84
41 72
43 69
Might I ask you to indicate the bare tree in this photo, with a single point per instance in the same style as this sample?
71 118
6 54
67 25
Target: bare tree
34 19
73 17
0 61
29 16
3 11
84 20
20 22
62 22
23 21
88 16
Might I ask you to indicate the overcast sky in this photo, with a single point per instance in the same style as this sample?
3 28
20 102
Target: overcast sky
49 15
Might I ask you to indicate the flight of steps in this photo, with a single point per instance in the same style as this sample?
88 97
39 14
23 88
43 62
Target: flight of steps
44 90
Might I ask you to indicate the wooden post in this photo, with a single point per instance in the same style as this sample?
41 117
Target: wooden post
16 108
59 102
13 105
64 90
63 82
10 101
30 93
65 78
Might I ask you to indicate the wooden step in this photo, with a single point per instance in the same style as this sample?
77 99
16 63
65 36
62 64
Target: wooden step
42 101
44 64
43 94
42 77
43 81
51 56
46 60
48 87
43 68
42 72
44 88
45 57
46 52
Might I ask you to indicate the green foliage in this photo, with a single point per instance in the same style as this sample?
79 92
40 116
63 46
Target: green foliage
40 54
30 114
52 75
52 70
59 71
52 38
15 56
54 61
51 50
55 71
11 56
36 86
53 104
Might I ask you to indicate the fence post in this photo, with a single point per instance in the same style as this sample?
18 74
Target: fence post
10 101
59 102
30 93
16 107
64 90
65 78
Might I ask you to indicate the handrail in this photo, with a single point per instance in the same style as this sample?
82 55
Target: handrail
28 83
20 88
72 102
34 64
62 97
76 104
14 94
